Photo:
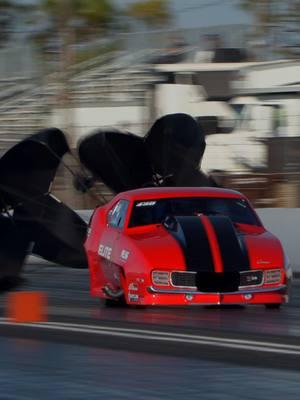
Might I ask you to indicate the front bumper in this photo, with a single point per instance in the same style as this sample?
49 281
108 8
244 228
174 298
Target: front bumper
263 295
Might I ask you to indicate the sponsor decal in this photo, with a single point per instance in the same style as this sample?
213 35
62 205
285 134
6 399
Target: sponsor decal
146 203
104 251
251 279
133 287
133 297
124 255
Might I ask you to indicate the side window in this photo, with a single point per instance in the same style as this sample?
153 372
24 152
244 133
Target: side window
117 214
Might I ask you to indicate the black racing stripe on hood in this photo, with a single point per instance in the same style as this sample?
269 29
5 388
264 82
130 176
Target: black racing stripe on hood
191 235
233 249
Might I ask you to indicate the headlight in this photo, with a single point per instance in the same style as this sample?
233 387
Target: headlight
272 276
251 278
161 278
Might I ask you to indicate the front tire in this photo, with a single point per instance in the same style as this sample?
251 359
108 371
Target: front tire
273 306
115 303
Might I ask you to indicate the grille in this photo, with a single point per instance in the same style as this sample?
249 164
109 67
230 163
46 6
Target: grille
251 278
211 281
217 282
186 279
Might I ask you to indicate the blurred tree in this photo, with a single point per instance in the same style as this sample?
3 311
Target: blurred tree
68 23
265 13
276 21
151 12
11 12
6 20
290 23
72 30
86 17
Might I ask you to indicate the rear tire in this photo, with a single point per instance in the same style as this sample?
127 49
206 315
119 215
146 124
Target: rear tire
273 306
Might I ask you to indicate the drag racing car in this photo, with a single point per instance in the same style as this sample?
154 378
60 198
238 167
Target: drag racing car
184 246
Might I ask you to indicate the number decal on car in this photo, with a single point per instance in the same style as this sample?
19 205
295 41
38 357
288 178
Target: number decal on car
146 203
124 255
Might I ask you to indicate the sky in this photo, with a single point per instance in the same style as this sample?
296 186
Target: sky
197 13
201 13
212 12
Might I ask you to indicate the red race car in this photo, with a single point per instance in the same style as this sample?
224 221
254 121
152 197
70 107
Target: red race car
184 246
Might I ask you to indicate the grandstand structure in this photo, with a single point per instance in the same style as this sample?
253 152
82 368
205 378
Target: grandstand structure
116 81
119 78
28 94
26 104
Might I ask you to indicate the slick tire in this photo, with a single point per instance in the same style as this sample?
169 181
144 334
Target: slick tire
273 306
115 303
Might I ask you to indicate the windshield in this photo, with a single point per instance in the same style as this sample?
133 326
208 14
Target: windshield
151 211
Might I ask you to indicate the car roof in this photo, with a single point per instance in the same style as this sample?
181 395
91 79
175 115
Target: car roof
164 192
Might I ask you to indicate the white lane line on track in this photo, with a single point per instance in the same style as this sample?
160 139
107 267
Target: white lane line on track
165 336
170 334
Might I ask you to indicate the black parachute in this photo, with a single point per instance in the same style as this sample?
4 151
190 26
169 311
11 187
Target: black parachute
31 218
169 155
118 159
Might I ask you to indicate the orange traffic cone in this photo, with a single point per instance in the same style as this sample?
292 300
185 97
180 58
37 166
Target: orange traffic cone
27 307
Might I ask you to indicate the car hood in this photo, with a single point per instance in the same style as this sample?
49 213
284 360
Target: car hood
264 250
157 247
206 244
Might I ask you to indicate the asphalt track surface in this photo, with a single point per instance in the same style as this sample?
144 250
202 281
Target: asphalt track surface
88 351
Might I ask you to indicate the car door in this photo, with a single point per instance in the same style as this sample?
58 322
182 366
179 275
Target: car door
109 233
107 245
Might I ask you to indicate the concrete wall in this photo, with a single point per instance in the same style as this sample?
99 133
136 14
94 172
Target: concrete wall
273 74
88 119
